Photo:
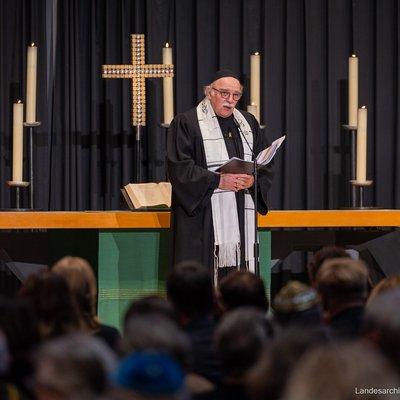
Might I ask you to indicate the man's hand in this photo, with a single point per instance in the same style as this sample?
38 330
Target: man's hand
235 182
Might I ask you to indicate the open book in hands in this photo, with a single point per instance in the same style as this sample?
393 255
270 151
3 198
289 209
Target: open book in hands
148 195
238 166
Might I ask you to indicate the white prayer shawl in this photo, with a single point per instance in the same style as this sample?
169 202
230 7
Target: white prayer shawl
223 202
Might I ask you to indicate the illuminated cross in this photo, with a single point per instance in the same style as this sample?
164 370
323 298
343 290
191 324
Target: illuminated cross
138 71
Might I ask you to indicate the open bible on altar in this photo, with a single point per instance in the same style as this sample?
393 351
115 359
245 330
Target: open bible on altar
238 166
148 195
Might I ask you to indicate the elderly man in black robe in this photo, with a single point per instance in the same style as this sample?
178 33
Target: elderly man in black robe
213 213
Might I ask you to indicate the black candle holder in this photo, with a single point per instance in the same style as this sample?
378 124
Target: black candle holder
18 186
353 131
359 186
32 186
138 134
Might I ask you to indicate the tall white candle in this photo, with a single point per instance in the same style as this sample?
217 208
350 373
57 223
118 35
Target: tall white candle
168 88
31 73
252 108
353 90
255 82
361 164
18 141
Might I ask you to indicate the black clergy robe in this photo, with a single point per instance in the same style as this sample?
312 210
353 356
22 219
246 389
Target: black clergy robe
193 184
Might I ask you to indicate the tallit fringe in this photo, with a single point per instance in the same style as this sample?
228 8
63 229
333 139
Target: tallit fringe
228 255
215 267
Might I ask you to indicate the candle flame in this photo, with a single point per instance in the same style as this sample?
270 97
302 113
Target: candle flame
252 103
19 101
363 107
256 53
354 56
32 44
167 44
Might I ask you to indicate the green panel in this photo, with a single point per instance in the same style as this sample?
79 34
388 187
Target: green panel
132 263
265 259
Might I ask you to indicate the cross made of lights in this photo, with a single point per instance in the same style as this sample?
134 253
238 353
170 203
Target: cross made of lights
138 71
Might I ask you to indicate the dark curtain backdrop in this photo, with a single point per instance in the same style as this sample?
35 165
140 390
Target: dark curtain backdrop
85 146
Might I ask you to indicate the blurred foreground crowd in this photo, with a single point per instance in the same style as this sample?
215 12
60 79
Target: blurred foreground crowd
336 338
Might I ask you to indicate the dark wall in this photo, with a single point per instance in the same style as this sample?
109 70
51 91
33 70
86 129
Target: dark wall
85 147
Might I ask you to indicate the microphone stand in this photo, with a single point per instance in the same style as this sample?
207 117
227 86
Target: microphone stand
256 260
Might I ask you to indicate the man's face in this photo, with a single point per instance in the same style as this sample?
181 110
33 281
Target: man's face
225 87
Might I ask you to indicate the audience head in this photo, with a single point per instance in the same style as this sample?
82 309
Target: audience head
190 289
342 281
240 338
156 333
4 355
168 338
52 301
149 375
242 288
19 324
269 377
342 372
74 366
80 277
325 253
381 324
342 286
388 283
150 305
11 386
296 304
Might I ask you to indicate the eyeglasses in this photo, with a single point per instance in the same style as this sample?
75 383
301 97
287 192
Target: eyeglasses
225 94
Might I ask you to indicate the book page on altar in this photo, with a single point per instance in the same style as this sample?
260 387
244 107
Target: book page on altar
149 195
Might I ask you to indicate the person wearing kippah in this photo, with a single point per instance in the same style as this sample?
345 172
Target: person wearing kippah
213 213
149 375
296 304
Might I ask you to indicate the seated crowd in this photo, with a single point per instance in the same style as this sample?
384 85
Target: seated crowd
333 338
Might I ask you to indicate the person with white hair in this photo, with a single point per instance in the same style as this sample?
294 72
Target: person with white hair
213 213
74 367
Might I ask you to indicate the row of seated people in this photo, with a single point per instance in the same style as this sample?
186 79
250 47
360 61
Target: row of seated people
333 338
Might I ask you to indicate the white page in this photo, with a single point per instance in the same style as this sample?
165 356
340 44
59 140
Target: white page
265 156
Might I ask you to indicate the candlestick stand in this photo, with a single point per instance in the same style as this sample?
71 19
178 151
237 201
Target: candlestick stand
353 131
138 129
166 127
17 185
31 126
359 186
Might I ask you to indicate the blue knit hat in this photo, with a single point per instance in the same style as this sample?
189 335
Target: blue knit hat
149 374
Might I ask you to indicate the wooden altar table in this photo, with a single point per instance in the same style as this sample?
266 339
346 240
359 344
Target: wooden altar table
149 220
130 250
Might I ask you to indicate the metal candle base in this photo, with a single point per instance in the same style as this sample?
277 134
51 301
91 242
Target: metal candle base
360 185
31 126
17 185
